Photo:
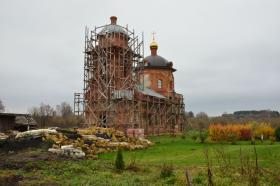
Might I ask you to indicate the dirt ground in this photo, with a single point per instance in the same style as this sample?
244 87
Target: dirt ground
11 161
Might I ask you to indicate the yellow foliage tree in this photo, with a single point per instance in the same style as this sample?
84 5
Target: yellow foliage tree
264 131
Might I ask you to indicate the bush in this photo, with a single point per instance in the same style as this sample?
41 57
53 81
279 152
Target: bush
167 170
234 132
264 130
203 136
119 163
217 132
230 132
277 134
245 132
193 134
232 137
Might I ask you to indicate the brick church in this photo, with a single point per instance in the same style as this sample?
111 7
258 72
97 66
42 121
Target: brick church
125 90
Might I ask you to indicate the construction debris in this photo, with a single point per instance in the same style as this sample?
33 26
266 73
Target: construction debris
68 150
98 140
83 142
3 136
35 133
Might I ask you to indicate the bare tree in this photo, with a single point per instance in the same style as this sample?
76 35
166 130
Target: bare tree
61 116
64 109
34 111
2 107
202 123
202 120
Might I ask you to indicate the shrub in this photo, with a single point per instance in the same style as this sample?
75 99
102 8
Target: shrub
277 134
119 163
167 170
203 136
232 137
245 132
217 132
264 130
193 134
233 132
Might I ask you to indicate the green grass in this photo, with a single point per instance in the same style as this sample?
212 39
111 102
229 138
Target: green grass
186 152
181 153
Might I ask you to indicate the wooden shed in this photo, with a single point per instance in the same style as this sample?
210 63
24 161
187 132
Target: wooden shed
14 121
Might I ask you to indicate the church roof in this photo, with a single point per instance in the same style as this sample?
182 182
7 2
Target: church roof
156 60
150 92
112 28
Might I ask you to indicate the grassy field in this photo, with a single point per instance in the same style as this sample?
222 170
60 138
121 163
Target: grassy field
143 167
186 152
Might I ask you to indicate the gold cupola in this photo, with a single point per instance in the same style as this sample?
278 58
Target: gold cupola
153 44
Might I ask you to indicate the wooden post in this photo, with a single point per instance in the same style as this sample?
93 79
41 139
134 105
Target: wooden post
188 178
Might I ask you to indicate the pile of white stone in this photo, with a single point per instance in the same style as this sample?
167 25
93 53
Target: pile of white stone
84 142
68 150
3 136
35 133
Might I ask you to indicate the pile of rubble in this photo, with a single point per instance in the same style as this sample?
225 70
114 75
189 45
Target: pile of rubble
3 136
68 150
93 141
85 142
35 133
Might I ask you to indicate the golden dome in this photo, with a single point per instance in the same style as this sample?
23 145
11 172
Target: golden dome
154 44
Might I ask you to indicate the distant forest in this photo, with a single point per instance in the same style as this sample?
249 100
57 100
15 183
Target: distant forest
202 120
62 115
256 113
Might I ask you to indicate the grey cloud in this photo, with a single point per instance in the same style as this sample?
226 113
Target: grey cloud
227 53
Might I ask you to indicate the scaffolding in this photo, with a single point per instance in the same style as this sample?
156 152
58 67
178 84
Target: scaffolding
78 104
161 115
109 79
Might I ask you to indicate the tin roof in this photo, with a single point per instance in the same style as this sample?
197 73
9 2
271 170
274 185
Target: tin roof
13 114
156 60
111 29
150 92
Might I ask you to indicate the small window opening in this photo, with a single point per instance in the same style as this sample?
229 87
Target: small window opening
159 83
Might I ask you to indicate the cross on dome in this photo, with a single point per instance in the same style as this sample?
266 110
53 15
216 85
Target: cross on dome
153 44
153 33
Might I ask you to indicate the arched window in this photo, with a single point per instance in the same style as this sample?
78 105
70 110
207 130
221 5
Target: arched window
159 83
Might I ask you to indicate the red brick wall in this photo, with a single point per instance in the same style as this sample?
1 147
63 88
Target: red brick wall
151 77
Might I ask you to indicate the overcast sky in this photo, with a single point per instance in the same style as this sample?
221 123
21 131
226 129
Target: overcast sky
227 52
